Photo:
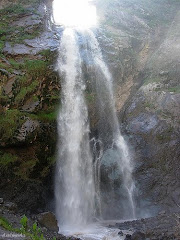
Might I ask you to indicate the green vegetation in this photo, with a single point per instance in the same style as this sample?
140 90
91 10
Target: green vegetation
10 120
149 105
7 158
30 2
25 169
90 97
3 98
16 34
36 68
16 9
26 91
1 46
47 117
6 225
166 135
15 64
151 80
174 89
31 232
46 53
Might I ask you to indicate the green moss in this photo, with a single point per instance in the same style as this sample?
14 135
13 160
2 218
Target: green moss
174 89
15 64
51 160
2 65
166 135
10 120
24 91
25 169
21 34
14 9
7 158
151 80
16 34
36 68
90 97
1 46
30 2
149 105
35 98
47 117
46 53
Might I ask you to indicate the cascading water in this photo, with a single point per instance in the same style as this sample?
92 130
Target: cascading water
104 88
76 174
74 177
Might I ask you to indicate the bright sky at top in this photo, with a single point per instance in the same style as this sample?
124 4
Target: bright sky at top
74 13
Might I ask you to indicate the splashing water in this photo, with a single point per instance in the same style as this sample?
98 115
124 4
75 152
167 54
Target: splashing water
104 88
77 183
74 177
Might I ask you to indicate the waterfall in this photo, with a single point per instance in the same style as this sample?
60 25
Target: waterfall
74 175
110 123
78 171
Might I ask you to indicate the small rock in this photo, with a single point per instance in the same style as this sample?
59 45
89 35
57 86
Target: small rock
162 73
120 233
5 72
138 236
10 206
1 200
162 213
48 220
128 237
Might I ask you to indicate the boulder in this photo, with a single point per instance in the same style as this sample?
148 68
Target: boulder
128 237
48 220
138 236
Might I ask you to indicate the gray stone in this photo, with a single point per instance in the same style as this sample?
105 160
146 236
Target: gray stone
28 20
26 129
128 237
48 220
18 49
144 123
3 71
10 206
47 40
138 236
1 200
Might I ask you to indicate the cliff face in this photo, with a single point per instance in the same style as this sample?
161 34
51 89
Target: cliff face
29 100
140 44
145 63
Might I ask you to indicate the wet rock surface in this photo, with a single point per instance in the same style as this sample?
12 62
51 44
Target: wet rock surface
48 220
160 227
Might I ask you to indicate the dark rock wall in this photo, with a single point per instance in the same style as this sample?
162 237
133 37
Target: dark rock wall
29 102
141 40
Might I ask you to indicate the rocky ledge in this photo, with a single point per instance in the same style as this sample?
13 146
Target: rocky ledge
160 227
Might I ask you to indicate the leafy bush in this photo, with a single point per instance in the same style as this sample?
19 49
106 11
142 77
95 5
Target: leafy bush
33 232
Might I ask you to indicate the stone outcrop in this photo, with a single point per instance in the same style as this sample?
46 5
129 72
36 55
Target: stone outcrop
48 220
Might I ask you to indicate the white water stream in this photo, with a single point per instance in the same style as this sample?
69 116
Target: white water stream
77 179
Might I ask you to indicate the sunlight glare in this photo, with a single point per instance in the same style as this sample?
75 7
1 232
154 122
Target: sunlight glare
74 13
